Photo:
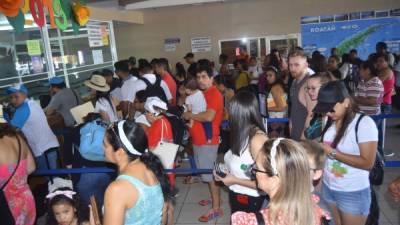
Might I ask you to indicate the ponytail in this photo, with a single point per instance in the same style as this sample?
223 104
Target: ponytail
153 163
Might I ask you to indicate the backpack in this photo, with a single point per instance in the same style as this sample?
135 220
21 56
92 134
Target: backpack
178 127
376 174
154 90
91 141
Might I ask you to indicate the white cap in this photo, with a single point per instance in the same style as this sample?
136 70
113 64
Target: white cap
152 102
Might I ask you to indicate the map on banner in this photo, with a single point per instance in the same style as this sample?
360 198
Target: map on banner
360 31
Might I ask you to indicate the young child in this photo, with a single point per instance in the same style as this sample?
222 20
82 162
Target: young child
316 159
196 102
63 205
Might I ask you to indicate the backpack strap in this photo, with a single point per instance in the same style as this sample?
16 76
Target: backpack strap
357 124
147 82
260 218
158 81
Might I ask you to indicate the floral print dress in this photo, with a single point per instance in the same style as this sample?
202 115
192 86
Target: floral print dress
18 193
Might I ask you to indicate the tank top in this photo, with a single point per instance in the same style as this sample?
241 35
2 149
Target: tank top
298 112
149 205
388 86
271 103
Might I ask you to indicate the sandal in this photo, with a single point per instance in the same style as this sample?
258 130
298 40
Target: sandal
205 202
190 180
212 214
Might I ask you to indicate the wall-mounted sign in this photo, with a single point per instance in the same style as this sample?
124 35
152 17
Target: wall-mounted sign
95 36
170 44
201 44
358 30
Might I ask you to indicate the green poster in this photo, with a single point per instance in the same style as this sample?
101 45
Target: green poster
33 47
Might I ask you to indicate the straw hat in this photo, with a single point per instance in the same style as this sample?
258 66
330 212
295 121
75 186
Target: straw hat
98 83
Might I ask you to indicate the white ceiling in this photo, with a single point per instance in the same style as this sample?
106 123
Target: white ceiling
150 4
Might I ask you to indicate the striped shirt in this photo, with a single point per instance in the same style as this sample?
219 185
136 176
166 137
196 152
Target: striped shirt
370 88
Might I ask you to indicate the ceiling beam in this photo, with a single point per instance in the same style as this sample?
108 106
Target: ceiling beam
117 15
126 2
165 3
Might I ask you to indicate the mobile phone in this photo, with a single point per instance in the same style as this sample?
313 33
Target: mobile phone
218 170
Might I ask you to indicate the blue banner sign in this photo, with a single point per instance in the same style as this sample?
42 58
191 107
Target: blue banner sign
360 31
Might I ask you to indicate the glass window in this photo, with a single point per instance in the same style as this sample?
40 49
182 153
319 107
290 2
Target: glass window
232 49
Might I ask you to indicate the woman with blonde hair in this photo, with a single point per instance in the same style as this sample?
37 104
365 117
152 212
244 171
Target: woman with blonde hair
282 171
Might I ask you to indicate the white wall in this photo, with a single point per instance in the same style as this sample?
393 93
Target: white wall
246 18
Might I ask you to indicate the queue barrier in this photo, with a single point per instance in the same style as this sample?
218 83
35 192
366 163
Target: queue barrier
193 169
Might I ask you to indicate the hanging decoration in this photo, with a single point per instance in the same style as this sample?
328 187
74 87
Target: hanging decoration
61 13
82 13
10 7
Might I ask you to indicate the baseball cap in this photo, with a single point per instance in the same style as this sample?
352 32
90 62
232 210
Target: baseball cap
330 94
189 55
17 88
152 102
56 80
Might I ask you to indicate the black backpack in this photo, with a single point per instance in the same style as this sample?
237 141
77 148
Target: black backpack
154 90
178 127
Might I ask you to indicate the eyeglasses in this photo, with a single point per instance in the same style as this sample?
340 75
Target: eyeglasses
253 170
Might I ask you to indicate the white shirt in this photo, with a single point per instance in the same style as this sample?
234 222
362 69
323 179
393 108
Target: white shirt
127 88
345 70
116 93
237 166
310 71
141 118
141 85
197 102
340 176
255 72
102 105
37 131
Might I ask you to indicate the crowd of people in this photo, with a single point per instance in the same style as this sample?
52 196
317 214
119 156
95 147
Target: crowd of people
321 159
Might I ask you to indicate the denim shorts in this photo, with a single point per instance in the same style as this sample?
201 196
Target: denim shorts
353 202
205 157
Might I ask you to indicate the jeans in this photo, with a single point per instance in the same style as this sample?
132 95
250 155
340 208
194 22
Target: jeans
381 124
92 184
47 160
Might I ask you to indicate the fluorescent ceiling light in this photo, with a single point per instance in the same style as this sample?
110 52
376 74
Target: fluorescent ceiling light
165 3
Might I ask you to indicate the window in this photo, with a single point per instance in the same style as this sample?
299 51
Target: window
71 56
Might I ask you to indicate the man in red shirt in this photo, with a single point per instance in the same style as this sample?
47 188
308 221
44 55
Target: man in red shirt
161 67
205 153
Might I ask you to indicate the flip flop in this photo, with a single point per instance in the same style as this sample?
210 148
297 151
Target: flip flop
205 202
212 214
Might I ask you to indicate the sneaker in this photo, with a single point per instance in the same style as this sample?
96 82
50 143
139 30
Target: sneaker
175 192
185 157
391 154
212 214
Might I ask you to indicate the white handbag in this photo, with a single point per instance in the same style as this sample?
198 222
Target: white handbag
166 151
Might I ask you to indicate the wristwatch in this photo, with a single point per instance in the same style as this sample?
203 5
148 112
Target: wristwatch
332 155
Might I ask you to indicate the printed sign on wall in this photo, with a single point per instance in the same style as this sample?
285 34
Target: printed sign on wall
201 44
